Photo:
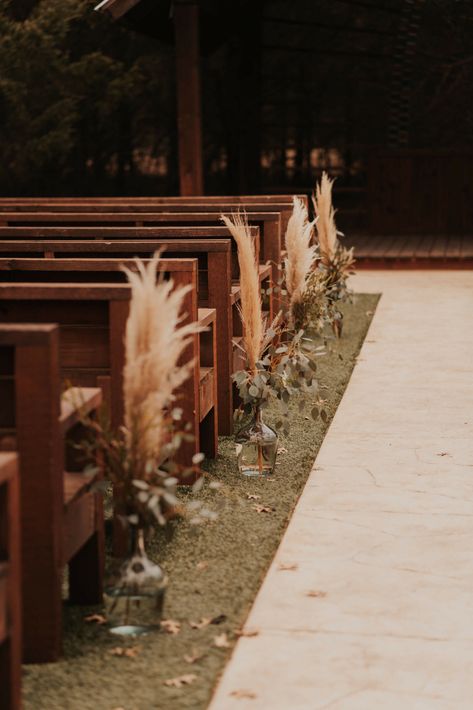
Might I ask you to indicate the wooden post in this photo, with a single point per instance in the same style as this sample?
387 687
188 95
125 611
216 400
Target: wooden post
186 22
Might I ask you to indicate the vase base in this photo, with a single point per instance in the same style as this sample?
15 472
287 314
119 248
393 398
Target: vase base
131 630
256 473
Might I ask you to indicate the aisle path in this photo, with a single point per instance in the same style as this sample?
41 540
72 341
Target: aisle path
378 613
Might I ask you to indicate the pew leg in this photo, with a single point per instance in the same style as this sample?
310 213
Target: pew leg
86 568
209 435
42 635
7 699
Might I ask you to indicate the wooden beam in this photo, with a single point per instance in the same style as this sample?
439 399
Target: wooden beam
186 23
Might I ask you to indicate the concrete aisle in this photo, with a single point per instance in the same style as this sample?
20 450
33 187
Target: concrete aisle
378 612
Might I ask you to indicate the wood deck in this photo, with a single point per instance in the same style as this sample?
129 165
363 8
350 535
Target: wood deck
413 251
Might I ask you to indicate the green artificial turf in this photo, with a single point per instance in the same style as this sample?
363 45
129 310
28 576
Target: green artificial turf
236 549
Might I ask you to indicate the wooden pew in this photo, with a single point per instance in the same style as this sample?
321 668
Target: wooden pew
216 288
61 519
92 319
268 248
10 587
251 203
268 223
101 232
158 199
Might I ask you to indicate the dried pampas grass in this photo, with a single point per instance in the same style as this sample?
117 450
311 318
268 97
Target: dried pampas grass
300 254
154 342
251 308
326 228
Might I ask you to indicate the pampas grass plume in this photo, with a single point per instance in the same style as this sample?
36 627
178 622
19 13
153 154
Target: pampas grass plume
326 228
300 254
154 343
251 308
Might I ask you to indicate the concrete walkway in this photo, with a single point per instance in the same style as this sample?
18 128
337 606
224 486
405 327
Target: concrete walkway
377 610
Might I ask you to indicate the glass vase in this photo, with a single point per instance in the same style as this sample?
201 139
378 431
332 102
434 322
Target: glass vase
337 325
256 447
135 590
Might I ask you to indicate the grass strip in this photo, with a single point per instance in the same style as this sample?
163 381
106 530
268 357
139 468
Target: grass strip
215 573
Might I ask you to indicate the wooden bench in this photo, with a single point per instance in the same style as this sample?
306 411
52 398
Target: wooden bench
92 319
268 252
251 203
10 588
103 232
216 290
61 519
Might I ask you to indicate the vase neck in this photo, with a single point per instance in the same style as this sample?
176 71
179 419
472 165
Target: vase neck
137 540
258 415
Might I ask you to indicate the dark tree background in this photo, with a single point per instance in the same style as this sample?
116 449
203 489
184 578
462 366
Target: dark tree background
88 106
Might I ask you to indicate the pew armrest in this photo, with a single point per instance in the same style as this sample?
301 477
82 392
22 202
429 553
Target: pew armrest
77 401
206 316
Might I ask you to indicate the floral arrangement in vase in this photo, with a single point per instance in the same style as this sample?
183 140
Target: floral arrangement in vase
305 284
138 459
280 363
336 261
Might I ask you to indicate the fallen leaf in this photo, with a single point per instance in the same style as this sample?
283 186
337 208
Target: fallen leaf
282 567
282 450
202 565
240 694
181 680
194 656
205 621
369 313
221 641
131 652
95 619
252 496
218 619
444 453
263 508
316 593
247 633
170 626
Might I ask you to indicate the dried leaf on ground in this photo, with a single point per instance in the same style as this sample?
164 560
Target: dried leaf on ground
205 621
95 619
287 567
221 641
282 450
181 680
247 633
252 496
170 626
444 453
201 566
263 508
194 656
243 694
130 652
219 619
316 593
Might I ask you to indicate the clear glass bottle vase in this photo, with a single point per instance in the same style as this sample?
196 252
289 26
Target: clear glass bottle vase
135 590
256 447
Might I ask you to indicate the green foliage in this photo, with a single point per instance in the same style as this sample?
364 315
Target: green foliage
335 273
288 367
151 499
82 101
311 312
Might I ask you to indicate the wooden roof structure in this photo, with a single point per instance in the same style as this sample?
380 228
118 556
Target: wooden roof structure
195 27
